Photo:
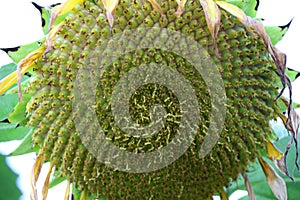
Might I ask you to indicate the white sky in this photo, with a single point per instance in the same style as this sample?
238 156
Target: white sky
20 23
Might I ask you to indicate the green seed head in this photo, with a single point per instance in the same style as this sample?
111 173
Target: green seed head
248 76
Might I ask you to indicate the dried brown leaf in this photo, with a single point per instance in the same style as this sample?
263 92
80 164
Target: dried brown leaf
276 183
249 187
280 61
213 19
181 4
278 57
281 165
292 124
260 30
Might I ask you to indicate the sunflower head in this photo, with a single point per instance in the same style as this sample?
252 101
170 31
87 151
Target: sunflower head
149 99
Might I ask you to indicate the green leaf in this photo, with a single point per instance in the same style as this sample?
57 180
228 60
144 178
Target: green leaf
61 18
77 194
7 104
292 74
19 113
23 51
248 6
8 184
10 132
56 180
275 33
26 146
46 16
7 69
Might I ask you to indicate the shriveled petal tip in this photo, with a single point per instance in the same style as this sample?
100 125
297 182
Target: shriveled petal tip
273 152
156 6
62 9
67 193
276 183
47 183
25 64
213 19
66 7
110 7
22 68
54 31
50 37
278 158
181 4
36 170
234 10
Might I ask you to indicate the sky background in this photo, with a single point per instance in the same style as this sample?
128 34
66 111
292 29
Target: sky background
20 23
